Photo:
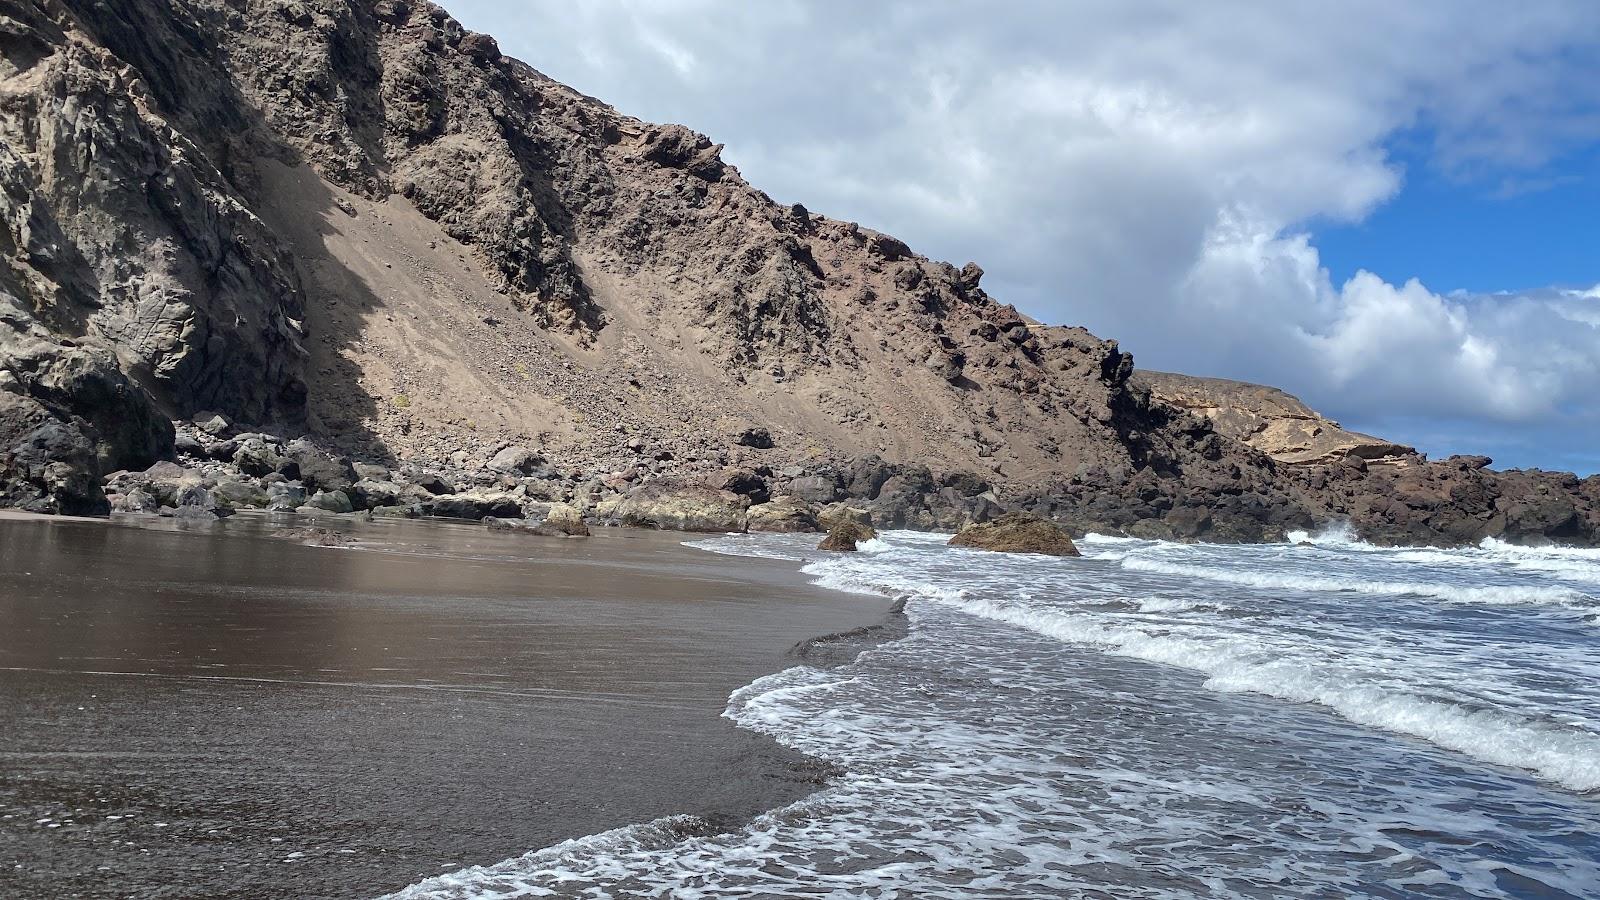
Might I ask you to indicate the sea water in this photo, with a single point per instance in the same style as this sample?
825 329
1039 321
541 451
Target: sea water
1318 718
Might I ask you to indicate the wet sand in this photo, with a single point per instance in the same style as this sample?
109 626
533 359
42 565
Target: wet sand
221 713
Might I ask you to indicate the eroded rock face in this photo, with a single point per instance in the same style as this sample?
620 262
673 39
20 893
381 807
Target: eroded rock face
68 416
1270 420
1017 533
135 238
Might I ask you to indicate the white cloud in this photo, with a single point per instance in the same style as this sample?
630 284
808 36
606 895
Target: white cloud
1144 169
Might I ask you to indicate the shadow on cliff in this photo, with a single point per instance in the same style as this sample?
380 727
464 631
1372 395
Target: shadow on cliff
303 212
176 59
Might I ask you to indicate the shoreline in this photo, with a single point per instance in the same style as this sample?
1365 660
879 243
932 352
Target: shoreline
509 704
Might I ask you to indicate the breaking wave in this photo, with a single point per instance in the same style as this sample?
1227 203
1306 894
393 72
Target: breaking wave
1454 593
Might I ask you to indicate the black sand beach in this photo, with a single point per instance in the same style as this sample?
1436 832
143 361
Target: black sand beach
222 713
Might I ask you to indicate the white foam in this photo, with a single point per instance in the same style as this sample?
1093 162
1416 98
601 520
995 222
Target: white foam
1509 595
1335 534
1174 605
1243 661
1109 539
739 545
1569 757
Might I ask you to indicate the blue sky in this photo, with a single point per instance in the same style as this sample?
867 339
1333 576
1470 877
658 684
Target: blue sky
1484 232
1384 208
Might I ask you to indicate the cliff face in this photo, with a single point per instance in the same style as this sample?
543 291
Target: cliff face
358 220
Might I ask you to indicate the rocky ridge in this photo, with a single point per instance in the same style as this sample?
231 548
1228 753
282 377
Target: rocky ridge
355 232
1271 420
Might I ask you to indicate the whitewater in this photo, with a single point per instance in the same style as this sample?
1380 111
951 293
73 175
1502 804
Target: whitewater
1314 718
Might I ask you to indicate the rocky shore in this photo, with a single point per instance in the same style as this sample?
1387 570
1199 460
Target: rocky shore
218 469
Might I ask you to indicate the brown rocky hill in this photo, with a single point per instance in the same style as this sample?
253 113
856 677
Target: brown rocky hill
359 222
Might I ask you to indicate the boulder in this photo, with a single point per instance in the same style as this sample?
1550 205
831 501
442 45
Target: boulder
222 451
45 465
544 490
516 460
844 536
396 512
945 364
563 519
866 475
239 492
902 499
194 515
682 506
836 514
136 500
285 495
784 514
754 437
197 502
68 415
331 501
433 484
214 424
474 506
1017 533
257 458
370 471
744 483
370 493
163 481
320 471
814 488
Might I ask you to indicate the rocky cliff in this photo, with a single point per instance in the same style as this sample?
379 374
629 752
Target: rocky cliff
358 223
1272 421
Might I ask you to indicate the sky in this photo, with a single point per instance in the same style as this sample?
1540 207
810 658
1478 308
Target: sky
1389 209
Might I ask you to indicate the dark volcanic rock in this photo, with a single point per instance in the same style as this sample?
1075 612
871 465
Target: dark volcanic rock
474 506
68 415
844 536
314 537
756 437
319 470
745 483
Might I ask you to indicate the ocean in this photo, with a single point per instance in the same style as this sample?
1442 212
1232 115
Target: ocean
1318 718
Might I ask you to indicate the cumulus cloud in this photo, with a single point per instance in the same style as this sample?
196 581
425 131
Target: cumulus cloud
1154 171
